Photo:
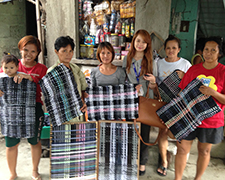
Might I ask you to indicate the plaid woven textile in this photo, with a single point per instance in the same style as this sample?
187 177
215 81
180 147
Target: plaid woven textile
168 88
17 108
184 113
112 102
74 151
62 98
118 150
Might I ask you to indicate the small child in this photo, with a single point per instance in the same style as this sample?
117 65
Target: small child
10 65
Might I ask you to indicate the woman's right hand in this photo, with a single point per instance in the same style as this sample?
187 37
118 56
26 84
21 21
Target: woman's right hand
1 93
138 87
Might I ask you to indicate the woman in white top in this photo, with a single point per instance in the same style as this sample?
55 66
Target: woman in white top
165 67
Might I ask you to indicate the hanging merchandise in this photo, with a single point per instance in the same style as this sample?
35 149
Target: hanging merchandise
97 37
127 29
127 9
85 28
115 5
87 9
105 6
99 17
118 24
105 20
132 28
112 21
80 9
89 40
93 27
123 27
105 25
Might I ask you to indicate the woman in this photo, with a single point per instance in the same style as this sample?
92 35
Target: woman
30 48
211 130
64 48
166 66
106 73
140 68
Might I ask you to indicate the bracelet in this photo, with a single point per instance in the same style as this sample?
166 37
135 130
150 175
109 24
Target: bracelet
152 83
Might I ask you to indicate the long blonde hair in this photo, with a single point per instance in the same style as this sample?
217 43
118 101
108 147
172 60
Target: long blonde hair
147 60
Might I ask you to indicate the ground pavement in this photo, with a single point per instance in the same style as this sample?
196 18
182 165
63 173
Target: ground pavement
215 170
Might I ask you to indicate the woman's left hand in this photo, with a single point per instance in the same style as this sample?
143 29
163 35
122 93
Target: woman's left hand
150 77
207 90
19 77
180 74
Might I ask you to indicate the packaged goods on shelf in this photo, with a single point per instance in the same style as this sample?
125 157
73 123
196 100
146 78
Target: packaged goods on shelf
105 20
127 9
115 40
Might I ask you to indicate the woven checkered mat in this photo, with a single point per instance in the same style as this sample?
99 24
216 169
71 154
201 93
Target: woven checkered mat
168 88
62 98
74 151
17 108
184 113
118 150
112 102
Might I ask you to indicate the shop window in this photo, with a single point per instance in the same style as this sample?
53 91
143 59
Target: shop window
105 20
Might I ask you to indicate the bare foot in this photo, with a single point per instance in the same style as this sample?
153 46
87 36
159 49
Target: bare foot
13 177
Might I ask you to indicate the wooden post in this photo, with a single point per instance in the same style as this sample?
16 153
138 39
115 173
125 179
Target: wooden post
41 55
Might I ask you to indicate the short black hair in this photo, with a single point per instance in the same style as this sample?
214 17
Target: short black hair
7 58
171 38
64 41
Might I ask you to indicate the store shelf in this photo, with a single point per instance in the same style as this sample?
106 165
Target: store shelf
93 62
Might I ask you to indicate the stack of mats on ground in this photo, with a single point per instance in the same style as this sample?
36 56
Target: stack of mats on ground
112 102
17 108
186 112
62 99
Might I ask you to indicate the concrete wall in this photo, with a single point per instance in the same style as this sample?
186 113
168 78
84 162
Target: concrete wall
60 17
12 26
154 16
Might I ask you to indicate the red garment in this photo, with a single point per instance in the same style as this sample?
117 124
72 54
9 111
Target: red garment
214 78
36 72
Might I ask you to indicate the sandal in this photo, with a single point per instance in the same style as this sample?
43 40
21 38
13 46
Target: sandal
141 173
164 171
36 178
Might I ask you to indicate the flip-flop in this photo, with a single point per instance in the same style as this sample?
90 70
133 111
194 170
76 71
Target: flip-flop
36 178
164 171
